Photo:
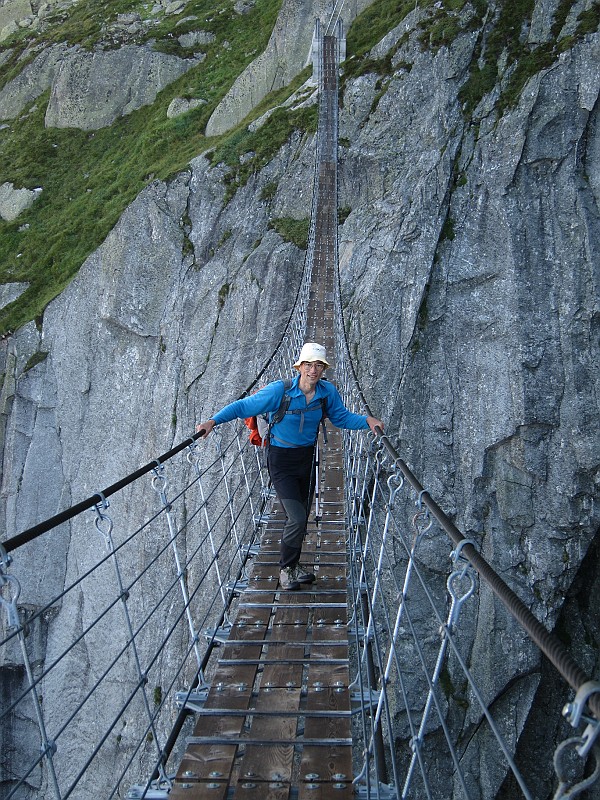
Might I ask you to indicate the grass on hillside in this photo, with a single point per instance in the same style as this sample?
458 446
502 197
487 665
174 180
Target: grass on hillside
89 178
262 145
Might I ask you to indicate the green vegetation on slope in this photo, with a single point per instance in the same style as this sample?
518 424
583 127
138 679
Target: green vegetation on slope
292 230
246 152
502 39
88 178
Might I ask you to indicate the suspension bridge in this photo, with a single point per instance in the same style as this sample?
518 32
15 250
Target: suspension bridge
225 686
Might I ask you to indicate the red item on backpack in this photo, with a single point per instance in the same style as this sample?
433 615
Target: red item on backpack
255 438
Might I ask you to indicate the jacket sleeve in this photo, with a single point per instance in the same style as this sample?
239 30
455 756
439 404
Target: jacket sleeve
266 399
340 415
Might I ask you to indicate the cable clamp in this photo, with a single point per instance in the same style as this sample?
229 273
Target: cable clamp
381 455
159 480
456 556
10 604
419 500
421 522
398 478
457 552
102 505
193 456
103 522
5 559
573 713
569 773
159 469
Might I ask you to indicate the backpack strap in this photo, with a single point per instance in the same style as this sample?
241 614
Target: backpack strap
284 406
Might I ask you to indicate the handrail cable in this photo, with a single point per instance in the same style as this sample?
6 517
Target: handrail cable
548 642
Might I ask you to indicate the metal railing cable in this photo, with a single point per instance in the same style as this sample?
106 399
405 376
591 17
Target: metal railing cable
219 505
229 491
386 575
366 506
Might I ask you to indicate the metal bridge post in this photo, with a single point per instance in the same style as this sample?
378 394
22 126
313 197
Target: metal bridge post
372 680
48 746
104 526
159 484
209 528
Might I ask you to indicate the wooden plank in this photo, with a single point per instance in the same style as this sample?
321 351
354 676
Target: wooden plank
328 675
247 633
331 615
261 572
339 790
251 790
210 762
219 727
288 614
327 728
326 651
234 650
214 761
233 679
267 582
205 790
332 633
250 597
282 674
272 763
252 616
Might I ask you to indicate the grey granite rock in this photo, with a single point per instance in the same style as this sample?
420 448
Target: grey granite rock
87 89
14 201
470 282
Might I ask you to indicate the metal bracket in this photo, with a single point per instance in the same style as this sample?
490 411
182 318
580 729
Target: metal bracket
218 635
138 792
236 587
192 701
358 632
368 697
375 791
573 712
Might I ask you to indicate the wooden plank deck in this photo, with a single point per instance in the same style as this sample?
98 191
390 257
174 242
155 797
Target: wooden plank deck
277 717
277 720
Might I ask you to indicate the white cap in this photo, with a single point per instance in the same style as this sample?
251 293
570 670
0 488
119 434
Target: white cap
312 351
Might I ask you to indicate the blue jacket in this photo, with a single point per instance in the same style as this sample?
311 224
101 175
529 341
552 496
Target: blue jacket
295 429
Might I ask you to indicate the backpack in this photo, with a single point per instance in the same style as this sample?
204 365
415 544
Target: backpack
260 427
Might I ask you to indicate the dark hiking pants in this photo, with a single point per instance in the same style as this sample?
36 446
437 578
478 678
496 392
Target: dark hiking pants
292 475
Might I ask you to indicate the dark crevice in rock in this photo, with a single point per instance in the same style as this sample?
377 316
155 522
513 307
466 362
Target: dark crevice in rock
578 626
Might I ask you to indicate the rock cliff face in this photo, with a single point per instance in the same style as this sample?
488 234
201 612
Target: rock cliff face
288 51
470 280
87 90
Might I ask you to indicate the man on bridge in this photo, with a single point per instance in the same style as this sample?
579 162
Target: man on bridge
291 445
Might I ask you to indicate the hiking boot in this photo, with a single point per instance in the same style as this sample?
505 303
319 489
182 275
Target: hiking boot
288 578
303 575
